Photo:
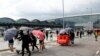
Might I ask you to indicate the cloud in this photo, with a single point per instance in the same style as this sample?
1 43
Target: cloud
46 9
7 8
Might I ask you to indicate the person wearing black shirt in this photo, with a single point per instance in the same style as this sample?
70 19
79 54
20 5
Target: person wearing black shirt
72 36
34 40
25 41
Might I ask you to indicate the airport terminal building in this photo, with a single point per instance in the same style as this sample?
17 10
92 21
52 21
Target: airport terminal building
6 22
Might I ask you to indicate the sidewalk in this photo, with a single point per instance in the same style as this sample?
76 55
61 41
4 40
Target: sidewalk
4 44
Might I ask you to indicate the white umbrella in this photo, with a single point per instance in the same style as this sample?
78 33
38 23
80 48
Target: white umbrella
24 28
62 31
47 29
67 29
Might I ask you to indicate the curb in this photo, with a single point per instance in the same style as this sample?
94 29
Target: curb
14 48
5 50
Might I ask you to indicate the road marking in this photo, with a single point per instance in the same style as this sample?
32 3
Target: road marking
97 52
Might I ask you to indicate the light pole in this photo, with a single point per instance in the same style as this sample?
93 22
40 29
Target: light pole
63 13
90 24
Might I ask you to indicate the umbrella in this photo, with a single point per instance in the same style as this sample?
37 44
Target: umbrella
10 33
39 34
65 30
62 31
24 28
47 29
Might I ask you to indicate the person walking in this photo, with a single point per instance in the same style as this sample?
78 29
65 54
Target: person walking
51 37
96 35
80 34
46 35
77 33
25 41
10 45
9 35
41 41
34 41
57 32
72 36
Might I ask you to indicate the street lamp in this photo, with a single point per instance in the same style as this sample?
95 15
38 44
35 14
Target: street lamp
63 13
90 24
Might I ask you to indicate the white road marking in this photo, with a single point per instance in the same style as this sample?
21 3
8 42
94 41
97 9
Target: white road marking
97 52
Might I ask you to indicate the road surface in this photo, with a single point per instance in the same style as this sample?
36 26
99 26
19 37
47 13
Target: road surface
86 46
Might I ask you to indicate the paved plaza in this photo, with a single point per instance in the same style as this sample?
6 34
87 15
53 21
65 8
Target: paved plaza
4 44
87 46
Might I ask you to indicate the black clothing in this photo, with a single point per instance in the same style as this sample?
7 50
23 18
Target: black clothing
33 41
41 41
47 35
11 41
57 32
80 34
72 35
25 42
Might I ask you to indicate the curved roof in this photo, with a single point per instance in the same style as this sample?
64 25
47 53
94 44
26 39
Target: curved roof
22 21
35 20
44 22
6 20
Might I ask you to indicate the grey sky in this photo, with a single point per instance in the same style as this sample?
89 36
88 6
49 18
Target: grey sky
46 9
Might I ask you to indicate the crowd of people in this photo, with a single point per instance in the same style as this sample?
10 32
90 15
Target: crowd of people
24 39
71 34
27 38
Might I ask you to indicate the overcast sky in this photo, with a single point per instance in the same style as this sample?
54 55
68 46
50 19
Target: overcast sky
46 9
